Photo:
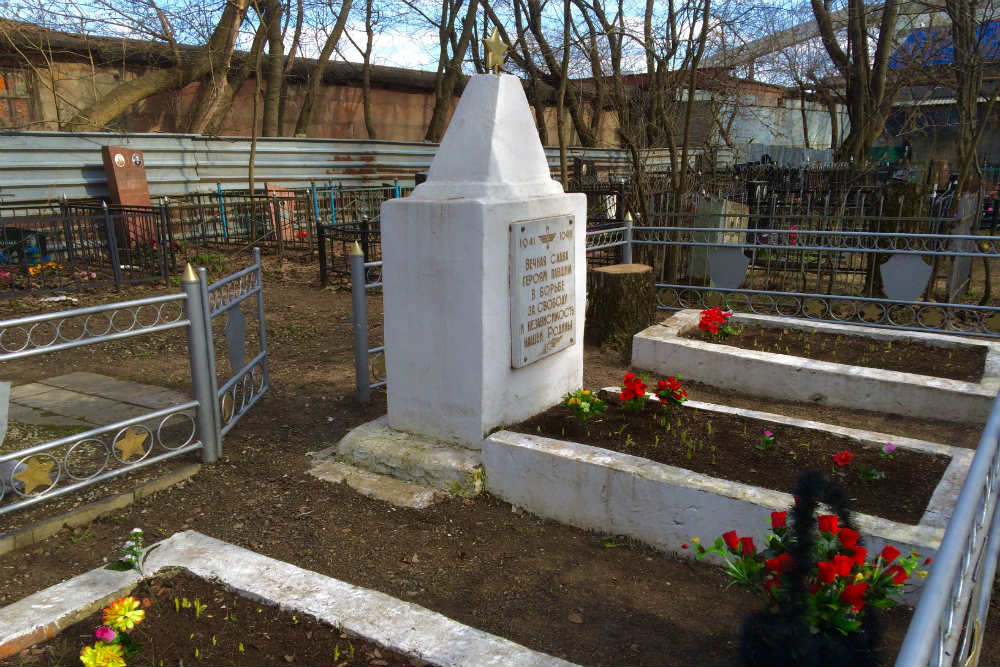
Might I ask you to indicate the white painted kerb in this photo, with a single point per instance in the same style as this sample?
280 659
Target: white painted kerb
662 349
390 623
665 506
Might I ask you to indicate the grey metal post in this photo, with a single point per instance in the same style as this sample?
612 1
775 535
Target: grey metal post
202 379
359 321
206 309
627 253
261 320
112 238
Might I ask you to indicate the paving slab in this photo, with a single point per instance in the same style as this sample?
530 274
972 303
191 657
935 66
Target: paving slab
93 409
95 384
30 389
27 415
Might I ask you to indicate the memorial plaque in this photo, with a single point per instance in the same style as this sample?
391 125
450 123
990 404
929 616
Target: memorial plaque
542 288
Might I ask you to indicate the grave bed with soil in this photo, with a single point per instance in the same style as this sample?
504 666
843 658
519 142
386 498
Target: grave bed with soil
230 630
964 363
726 446
924 384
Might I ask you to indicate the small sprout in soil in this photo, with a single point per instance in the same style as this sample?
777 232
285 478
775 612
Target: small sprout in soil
198 608
869 473
708 428
336 653
213 640
656 441
240 648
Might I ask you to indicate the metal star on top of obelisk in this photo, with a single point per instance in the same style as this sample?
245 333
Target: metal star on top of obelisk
495 50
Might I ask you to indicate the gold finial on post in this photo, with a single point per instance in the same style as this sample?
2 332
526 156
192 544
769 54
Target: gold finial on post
189 275
356 249
495 50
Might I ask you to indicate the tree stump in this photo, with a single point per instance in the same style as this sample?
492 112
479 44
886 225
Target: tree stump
621 301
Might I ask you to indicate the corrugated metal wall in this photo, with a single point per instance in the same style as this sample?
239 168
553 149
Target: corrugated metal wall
43 165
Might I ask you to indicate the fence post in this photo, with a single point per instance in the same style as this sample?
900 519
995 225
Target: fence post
67 228
312 187
359 322
365 234
395 183
165 212
222 211
112 237
261 323
202 375
627 251
333 209
324 277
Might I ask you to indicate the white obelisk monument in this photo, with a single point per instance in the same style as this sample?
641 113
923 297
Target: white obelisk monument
484 277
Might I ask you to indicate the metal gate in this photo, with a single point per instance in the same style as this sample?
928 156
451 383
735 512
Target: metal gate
51 469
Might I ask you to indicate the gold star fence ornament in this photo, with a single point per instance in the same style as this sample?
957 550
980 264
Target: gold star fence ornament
495 50
37 473
132 443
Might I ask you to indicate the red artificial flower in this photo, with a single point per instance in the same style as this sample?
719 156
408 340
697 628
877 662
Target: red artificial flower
843 565
731 540
859 555
897 573
630 377
843 458
779 519
781 563
627 394
826 571
770 584
854 595
684 546
927 561
828 523
849 538
889 553
746 546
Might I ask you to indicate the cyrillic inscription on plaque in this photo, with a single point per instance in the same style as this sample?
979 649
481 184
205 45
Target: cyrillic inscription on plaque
542 292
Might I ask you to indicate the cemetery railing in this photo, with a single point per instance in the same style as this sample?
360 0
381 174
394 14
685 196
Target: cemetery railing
72 245
950 619
369 363
108 451
924 274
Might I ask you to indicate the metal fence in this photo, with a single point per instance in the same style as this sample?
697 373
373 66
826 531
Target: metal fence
47 248
70 463
950 619
369 362
41 166
354 217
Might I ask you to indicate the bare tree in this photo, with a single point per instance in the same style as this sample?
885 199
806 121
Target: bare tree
870 86
314 85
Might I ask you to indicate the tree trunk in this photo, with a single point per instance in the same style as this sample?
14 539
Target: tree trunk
621 302
289 61
275 69
215 119
118 101
445 89
316 78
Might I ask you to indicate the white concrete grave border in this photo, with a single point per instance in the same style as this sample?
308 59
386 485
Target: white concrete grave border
661 349
665 506
398 626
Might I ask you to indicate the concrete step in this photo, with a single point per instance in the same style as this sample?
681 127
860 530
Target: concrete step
380 487
376 447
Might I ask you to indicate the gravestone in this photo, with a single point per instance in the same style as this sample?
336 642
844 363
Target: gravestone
125 170
484 279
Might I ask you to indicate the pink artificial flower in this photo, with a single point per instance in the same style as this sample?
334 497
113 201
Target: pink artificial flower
105 634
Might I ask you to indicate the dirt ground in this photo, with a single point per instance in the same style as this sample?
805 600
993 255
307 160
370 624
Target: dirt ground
589 598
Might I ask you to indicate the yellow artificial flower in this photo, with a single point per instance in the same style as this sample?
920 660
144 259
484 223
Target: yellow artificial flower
696 540
586 392
123 614
922 574
102 655
574 401
859 577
